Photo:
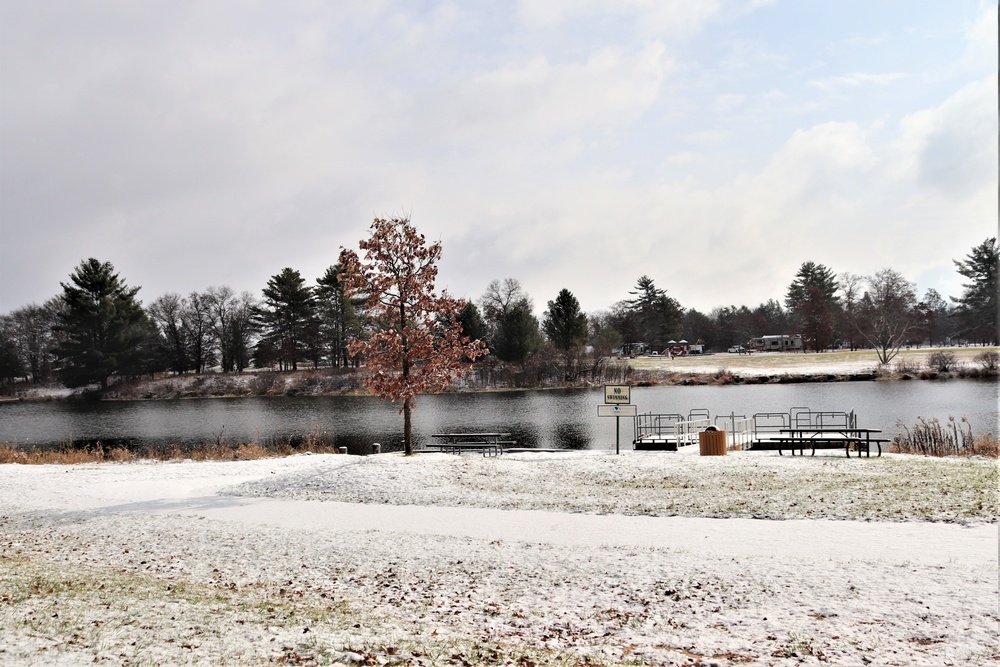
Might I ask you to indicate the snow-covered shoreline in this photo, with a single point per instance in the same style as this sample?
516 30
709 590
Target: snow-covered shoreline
325 559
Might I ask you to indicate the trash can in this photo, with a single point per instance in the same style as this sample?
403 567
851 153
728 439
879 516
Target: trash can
712 442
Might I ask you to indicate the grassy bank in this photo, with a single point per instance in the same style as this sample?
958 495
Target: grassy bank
761 368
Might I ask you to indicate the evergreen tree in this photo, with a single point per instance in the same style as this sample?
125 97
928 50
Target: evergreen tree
563 323
517 336
813 303
657 317
289 317
472 322
513 330
700 327
338 315
102 324
11 367
977 309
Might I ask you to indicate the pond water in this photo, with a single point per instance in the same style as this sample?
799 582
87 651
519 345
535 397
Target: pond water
565 419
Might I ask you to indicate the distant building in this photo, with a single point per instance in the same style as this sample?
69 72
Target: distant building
780 343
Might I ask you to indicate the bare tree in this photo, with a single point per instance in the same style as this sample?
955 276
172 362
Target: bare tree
499 298
197 320
167 313
851 286
30 332
232 324
884 315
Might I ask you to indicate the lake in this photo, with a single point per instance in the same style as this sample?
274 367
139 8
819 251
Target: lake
565 419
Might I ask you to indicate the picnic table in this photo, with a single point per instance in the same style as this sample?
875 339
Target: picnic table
812 437
490 444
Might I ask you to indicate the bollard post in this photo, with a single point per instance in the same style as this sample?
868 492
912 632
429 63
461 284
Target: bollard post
376 448
342 450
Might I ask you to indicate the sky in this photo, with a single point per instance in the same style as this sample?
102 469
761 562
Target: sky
714 146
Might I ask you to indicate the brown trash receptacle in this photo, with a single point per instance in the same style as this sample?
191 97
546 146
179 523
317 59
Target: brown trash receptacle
712 442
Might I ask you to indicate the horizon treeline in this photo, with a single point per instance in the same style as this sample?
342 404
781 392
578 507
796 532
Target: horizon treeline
97 329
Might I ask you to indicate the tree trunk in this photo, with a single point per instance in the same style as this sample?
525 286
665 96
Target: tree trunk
407 428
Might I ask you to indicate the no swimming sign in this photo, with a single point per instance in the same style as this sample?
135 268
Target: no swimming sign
617 394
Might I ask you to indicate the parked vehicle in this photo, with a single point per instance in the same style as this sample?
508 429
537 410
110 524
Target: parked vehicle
737 349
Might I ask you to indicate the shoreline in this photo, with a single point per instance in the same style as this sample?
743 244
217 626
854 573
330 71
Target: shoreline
695 370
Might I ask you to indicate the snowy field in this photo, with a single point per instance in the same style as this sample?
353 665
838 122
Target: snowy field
526 559
838 362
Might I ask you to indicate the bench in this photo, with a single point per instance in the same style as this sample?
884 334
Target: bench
489 444
801 444
655 443
487 448
826 437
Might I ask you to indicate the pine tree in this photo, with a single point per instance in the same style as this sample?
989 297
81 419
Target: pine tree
102 324
338 313
657 317
289 318
517 336
813 303
977 309
563 323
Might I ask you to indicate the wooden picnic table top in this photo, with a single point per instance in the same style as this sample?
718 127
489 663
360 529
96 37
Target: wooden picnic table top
471 435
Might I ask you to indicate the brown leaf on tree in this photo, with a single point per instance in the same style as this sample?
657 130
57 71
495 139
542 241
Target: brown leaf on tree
416 346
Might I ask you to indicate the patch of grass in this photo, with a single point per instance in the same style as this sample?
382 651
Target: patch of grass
50 611
952 438
218 451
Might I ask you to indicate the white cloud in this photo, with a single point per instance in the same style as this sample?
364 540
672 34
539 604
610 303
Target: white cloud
540 100
952 148
858 79
663 17
981 38
574 145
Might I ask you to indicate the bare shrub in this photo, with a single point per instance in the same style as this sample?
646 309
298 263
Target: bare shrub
908 366
263 384
942 362
989 361
724 376
932 438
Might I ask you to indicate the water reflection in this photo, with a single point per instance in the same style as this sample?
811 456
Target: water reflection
571 436
565 419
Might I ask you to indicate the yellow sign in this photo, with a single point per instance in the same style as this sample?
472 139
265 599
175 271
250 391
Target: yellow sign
617 394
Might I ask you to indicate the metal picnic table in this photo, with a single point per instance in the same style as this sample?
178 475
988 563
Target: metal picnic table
490 444
811 437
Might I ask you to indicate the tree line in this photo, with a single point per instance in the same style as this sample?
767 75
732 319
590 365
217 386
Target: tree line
97 330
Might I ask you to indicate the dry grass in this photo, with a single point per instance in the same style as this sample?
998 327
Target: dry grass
210 452
953 438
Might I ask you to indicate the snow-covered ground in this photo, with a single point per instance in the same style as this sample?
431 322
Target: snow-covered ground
839 362
643 558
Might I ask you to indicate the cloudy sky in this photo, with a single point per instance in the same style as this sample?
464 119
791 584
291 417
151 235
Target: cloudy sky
713 145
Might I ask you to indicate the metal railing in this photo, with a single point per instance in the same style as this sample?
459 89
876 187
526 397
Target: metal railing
686 432
743 433
652 424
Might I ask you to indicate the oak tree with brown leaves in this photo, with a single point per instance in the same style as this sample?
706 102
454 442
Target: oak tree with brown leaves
417 346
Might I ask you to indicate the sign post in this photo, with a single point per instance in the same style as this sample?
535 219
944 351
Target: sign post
617 404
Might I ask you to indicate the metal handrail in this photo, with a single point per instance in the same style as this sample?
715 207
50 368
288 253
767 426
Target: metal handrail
686 432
